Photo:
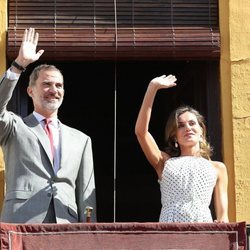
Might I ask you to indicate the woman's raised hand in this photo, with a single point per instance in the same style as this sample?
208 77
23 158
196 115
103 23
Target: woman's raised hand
164 81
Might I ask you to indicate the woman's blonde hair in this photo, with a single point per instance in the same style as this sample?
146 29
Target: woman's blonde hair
171 128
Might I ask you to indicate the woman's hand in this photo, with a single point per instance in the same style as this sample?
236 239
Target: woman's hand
164 81
225 220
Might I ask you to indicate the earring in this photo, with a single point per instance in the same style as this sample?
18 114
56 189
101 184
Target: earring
176 144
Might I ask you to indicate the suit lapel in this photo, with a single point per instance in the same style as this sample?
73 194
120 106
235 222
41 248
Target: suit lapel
65 140
39 132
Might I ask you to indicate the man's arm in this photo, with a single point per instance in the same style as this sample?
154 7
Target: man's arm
27 54
85 189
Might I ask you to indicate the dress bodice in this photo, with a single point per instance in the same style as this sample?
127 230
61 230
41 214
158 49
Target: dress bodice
187 186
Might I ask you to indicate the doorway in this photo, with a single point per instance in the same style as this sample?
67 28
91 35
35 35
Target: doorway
102 99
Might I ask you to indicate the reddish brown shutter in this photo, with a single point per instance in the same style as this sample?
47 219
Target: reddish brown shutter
106 29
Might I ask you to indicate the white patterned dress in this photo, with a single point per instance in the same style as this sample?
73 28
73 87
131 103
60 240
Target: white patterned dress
187 186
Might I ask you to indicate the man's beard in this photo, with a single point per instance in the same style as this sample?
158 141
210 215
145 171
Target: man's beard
52 105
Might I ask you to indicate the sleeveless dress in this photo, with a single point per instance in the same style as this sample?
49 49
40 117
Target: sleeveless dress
187 186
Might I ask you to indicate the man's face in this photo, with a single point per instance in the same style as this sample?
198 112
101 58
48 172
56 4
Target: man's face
48 91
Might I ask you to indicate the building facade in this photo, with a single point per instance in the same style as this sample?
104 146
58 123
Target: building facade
232 93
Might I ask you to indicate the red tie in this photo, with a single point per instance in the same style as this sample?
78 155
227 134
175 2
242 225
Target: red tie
48 130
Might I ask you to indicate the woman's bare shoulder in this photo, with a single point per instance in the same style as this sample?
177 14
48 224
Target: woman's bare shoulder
219 166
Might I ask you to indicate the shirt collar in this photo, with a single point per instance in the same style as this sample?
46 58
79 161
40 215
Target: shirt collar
40 119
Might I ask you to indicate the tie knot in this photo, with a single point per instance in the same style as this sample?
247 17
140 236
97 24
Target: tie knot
47 121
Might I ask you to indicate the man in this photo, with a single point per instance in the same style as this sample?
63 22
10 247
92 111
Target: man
48 168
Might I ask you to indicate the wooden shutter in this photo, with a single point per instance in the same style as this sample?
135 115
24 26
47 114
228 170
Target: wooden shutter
108 29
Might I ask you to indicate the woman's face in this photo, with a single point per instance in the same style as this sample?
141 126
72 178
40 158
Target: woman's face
189 132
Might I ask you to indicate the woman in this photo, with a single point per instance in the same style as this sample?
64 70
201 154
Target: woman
187 176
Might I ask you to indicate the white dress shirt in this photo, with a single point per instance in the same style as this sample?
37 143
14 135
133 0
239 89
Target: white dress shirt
11 75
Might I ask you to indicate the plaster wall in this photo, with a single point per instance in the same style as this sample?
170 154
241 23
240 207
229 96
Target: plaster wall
3 25
235 101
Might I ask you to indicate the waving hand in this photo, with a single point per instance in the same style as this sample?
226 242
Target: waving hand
27 52
164 81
